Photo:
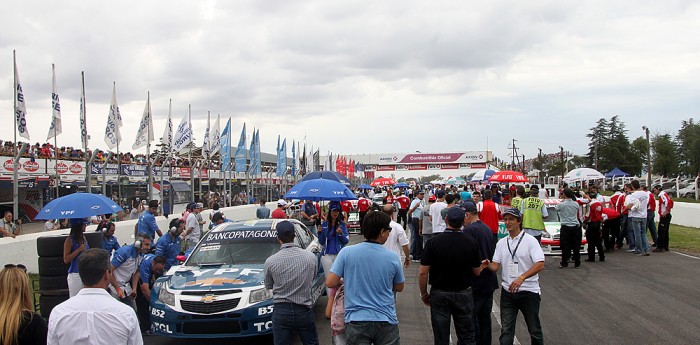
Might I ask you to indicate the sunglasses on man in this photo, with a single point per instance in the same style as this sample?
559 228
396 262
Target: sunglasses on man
20 266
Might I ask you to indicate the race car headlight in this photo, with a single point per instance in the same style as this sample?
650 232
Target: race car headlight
259 295
166 297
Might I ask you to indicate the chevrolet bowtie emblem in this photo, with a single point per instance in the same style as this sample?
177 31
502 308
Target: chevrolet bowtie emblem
208 298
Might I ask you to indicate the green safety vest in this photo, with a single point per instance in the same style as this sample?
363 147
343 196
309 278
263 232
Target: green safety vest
532 213
515 203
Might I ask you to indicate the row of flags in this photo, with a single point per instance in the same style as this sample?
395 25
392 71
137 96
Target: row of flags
214 142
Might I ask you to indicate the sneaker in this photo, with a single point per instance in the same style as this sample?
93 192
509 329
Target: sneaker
638 254
630 251
563 266
646 254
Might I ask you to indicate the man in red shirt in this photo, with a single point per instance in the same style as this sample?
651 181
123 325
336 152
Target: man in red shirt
490 213
345 207
279 213
363 205
595 217
617 201
665 206
651 209
404 202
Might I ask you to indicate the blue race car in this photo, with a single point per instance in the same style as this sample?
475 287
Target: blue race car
218 292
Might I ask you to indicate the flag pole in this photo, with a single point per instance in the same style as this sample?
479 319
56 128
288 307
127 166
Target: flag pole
15 184
189 123
149 165
55 137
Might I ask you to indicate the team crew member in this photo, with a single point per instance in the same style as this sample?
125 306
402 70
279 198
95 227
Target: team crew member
636 204
611 228
169 245
445 263
290 274
279 213
416 211
595 217
346 207
489 213
404 203
93 316
651 223
534 212
150 268
519 196
125 265
570 232
193 229
363 205
522 259
147 221
109 241
665 206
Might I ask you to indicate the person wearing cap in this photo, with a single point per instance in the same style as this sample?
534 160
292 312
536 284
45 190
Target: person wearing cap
534 212
416 210
193 229
436 212
333 236
371 274
74 245
486 283
147 221
290 273
521 258
444 265
426 230
279 213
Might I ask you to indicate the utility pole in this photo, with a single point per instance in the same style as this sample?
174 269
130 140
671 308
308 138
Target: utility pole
523 164
561 156
646 130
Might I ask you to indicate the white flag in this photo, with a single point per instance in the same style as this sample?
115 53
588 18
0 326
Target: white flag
167 139
113 135
183 134
55 128
83 113
215 138
20 107
205 147
145 134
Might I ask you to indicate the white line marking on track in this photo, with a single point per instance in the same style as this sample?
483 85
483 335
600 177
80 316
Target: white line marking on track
496 311
690 256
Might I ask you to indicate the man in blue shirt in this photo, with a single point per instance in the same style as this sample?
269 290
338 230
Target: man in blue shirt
109 241
169 245
147 221
372 273
150 268
125 263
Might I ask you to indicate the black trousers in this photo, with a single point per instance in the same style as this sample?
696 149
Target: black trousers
570 240
143 312
611 231
483 302
594 241
402 217
664 223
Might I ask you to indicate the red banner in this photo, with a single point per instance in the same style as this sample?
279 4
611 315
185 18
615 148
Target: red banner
450 166
386 167
418 167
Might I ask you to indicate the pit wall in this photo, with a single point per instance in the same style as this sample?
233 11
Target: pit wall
22 250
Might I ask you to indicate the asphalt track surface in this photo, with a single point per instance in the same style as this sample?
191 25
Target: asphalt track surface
625 300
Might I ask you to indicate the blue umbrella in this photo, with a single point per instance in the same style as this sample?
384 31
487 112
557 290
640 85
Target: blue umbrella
327 175
78 205
401 185
365 186
320 189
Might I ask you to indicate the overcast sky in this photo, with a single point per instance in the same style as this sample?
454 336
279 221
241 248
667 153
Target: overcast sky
360 76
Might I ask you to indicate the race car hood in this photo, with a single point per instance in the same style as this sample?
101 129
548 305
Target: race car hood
223 277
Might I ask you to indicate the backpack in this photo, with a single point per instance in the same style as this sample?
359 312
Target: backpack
338 311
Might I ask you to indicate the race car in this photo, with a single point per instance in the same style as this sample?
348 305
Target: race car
218 292
550 237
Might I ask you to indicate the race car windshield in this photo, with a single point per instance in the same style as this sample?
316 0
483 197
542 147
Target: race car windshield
233 251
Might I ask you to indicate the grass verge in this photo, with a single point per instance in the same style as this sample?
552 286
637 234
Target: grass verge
684 238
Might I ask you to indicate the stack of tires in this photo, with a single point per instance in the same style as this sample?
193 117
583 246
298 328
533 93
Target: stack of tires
53 273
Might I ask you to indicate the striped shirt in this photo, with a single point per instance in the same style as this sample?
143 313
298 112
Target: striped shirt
290 273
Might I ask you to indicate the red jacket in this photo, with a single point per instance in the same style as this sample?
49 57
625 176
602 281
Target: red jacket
363 204
489 214
595 211
651 205
610 213
345 206
404 202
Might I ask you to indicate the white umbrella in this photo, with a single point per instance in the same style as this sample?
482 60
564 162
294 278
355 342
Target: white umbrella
483 174
583 174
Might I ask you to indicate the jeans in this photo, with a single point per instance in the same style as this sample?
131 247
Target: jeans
631 233
446 306
426 237
372 332
416 240
288 318
570 240
529 304
594 241
483 302
664 223
639 229
651 225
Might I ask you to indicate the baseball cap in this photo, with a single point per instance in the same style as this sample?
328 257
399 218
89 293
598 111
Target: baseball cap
513 212
440 193
455 215
334 206
281 202
534 187
284 228
420 192
467 206
75 221
199 205
432 198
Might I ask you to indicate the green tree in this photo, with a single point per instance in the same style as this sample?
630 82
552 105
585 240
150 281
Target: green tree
665 156
688 142
638 154
598 136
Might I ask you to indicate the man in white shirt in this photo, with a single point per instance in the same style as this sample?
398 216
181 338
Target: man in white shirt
522 259
397 240
435 213
93 317
636 204
193 228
